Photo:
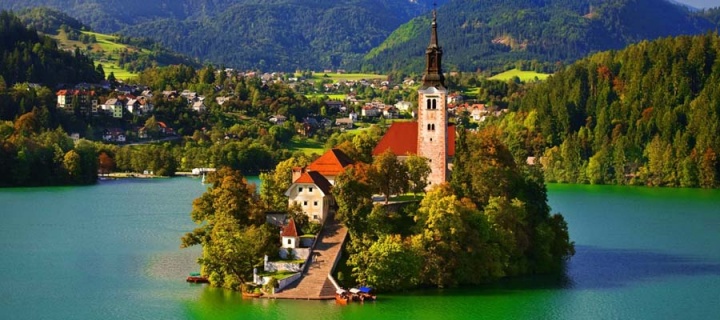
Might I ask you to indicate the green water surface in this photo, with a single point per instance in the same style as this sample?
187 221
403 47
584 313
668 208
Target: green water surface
111 251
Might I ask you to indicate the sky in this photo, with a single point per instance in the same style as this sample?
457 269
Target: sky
700 4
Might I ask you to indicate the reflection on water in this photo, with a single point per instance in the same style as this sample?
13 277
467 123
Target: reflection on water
597 268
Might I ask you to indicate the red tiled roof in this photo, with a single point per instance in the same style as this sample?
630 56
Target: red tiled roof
402 139
332 163
289 230
316 178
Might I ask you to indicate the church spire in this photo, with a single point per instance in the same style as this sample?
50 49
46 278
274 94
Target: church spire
433 68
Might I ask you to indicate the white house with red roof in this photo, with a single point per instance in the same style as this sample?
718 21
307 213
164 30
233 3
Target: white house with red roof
290 237
312 184
311 191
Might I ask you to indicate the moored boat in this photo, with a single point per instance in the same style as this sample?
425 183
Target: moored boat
195 277
342 296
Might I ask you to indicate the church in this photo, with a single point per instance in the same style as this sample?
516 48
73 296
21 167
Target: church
430 136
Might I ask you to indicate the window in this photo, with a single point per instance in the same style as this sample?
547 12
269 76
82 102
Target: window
315 203
310 189
305 203
428 104
434 104
299 189
315 217
289 241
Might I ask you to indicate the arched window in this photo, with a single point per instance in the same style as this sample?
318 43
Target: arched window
433 127
428 127
428 104
434 104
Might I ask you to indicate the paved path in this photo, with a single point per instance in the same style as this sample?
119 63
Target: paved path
314 285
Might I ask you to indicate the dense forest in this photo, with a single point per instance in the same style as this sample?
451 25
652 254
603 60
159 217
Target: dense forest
644 115
487 34
26 56
383 35
278 35
131 53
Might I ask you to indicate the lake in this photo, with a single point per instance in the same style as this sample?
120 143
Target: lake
111 251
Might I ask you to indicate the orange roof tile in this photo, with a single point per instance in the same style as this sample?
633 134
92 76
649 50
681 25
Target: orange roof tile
402 138
316 178
332 163
289 230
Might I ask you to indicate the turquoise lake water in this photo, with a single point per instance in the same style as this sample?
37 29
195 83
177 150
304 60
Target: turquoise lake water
111 251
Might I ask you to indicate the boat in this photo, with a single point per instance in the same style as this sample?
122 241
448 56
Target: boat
251 295
342 297
362 294
195 277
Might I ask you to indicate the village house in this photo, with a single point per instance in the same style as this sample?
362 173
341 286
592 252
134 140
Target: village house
112 106
455 98
199 106
290 237
311 191
221 100
403 106
86 99
345 123
369 111
312 184
332 104
114 135
389 112
278 119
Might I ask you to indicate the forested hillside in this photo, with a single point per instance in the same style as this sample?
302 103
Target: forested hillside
27 57
271 35
649 115
482 34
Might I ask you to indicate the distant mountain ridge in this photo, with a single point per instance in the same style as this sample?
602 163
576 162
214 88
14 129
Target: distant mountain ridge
482 34
267 34
384 35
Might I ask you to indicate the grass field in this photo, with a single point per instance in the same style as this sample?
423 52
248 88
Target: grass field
104 51
307 146
523 75
333 96
335 77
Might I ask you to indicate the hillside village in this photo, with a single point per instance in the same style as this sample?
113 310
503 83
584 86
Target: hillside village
125 101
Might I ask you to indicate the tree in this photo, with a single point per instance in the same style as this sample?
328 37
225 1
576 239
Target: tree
233 234
389 264
418 170
388 175
276 183
73 165
353 195
152 126
106 163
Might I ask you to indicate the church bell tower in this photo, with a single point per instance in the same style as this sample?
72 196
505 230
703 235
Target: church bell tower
432 111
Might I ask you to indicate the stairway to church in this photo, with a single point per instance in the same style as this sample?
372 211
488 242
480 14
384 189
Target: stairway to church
314 284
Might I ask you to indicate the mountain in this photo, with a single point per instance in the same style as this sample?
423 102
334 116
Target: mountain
25 56
267 34
121 55
482 34
384 35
